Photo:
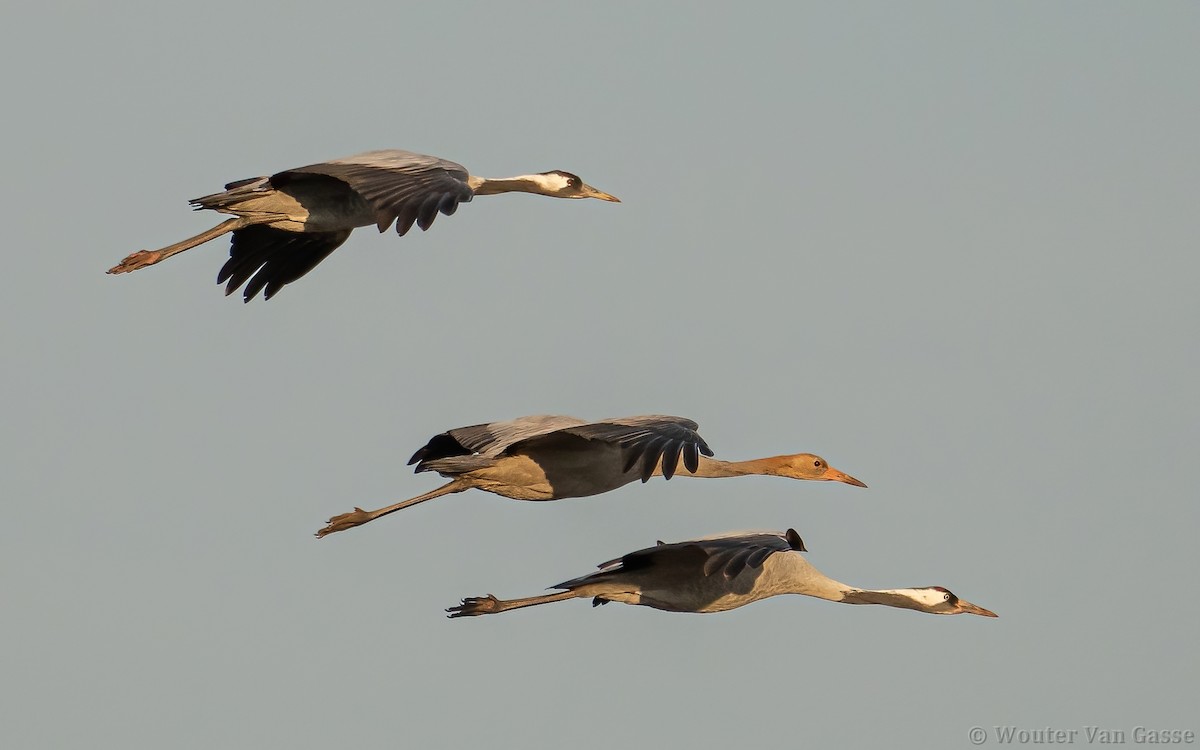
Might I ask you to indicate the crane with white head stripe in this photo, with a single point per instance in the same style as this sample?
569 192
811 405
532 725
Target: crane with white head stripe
289 222
719 573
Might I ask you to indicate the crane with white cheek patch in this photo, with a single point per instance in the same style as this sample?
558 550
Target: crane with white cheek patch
291 221
720 573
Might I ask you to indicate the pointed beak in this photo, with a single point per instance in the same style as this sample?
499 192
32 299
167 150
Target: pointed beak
591 192
834 475
966 607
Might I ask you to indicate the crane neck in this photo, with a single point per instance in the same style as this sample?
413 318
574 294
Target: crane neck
716 468
793 574
902 598
526 183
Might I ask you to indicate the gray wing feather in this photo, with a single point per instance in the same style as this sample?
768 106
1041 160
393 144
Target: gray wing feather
399 185
488 440
647 439
728 555
644 439
495 438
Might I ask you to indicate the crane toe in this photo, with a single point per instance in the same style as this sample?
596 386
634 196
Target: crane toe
475 605
356 517
134 261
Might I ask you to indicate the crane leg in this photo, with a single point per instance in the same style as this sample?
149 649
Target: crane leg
489 605
358 516
143 258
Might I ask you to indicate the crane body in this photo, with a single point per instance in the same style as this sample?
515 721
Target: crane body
551 457
289 222
719 573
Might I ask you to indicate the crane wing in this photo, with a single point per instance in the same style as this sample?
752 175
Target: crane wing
399 185
274 257
731 555
644 439
728 554
489 439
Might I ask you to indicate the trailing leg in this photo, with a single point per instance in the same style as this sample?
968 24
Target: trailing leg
489 605
358 516
143 258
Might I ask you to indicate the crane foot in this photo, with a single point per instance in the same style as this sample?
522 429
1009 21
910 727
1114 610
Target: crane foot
476 605
356 517
134 261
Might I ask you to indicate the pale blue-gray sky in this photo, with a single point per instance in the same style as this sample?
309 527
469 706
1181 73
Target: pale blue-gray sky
951 247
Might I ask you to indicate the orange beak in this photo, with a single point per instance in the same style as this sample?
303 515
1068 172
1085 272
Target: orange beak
834 475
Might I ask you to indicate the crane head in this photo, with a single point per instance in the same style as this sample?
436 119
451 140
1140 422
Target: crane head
940 601
808 466
566 185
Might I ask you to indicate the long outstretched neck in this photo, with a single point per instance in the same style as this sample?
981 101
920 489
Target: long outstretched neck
715 468
902 598
793 574
527 183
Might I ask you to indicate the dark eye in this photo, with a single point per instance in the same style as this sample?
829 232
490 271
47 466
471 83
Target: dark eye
573 182
817 464
946 596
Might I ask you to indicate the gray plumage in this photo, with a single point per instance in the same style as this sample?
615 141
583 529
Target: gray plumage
289 222
644 440
550 457
728 554
398 186
720 573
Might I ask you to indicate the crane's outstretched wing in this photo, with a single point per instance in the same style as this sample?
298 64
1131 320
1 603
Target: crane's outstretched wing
728 554
647 439
274 257
399 185
489 439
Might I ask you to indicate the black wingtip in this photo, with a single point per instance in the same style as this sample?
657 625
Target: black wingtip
794 541
691 458
634 456
668 466
654 451
648 465
670 459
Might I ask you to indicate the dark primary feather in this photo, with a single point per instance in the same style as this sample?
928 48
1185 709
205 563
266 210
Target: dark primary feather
270 258
648 439
670 458
399 185
645 439
794 541
439 446
677 554
729 555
